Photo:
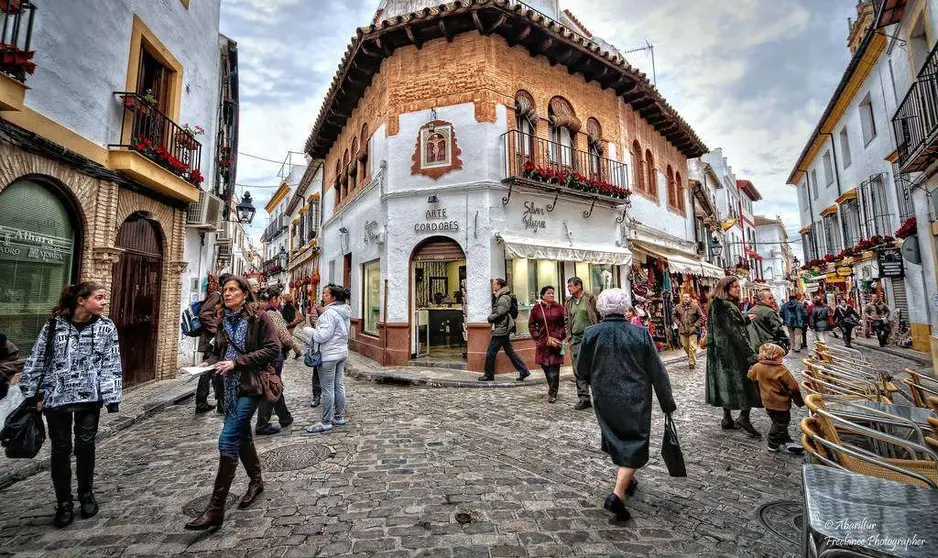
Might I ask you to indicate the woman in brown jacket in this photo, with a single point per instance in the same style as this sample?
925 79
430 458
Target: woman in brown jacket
547 325
246 344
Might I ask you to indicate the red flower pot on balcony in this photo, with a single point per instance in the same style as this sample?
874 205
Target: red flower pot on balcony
186 140
11 6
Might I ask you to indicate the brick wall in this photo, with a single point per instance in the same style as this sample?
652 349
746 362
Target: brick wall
484 70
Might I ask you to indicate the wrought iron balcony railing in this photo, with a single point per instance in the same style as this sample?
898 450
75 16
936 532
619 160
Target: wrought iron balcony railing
149 132
16 59
563 169
916 120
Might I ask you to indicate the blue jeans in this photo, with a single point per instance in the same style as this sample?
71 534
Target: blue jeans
237 428
332 379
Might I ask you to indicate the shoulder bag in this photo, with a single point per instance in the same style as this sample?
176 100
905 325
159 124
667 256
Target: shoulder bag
671 449
266 382
23 431
551 342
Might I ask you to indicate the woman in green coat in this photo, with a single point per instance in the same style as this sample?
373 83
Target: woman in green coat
729 356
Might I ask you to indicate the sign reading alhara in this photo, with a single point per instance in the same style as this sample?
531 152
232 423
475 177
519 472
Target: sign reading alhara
436 222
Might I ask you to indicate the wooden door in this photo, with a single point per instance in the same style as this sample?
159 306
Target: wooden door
347 272
135 298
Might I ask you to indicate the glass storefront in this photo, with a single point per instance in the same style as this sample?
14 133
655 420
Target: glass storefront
597 278
372 291
38 238
526 278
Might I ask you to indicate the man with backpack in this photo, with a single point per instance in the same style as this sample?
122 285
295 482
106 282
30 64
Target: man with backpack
504 313
580 312
208 317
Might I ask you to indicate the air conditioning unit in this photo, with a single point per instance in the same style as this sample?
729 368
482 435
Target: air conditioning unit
206 214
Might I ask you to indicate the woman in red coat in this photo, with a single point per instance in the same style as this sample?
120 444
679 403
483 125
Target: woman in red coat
546 323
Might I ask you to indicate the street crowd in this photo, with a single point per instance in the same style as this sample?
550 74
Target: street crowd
246 333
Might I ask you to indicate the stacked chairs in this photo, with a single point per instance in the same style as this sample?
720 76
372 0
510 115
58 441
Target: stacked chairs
932 440
838 360
823 379
921 387
823 437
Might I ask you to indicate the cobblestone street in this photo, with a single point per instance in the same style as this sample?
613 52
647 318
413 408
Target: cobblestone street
428 472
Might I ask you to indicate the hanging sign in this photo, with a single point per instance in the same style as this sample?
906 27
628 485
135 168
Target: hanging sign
844 271
890 263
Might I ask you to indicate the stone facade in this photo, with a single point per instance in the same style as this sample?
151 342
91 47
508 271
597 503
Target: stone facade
102 206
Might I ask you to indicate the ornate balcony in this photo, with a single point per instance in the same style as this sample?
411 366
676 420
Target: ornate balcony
563 169
916 120
16 59
156 151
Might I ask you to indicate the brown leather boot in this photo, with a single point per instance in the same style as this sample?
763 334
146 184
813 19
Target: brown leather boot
214 516
252 464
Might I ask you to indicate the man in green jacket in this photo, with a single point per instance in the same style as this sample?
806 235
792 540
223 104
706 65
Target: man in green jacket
579 313
767 326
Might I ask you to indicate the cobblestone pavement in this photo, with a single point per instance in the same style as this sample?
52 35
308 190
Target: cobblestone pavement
428 472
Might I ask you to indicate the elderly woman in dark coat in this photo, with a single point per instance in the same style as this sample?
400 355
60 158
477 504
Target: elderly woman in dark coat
621 364
729 356
546 323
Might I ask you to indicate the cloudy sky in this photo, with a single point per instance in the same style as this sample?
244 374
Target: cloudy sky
751 76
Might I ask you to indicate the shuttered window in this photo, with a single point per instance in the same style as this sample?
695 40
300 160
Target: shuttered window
37 254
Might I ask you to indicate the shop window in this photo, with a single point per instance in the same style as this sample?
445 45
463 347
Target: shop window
526 278
437 151
38 240
372 305
597 277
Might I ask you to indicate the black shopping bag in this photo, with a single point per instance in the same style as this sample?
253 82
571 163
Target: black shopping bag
671 449
23 431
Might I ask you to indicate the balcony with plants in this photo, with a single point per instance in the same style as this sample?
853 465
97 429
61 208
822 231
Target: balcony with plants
156 151
562 169
916 120
16 56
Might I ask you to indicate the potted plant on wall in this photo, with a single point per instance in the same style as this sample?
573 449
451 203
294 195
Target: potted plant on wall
134 101
11 6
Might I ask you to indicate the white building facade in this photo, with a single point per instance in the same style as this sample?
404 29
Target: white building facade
777 256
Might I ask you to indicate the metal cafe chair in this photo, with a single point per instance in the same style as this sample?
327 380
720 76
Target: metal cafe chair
914 470
843 382
843 352
921 387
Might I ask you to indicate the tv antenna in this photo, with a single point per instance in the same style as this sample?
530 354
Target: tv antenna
651 48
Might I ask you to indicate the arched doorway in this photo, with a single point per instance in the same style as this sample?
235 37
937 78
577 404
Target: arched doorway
40 237
438 267
135 298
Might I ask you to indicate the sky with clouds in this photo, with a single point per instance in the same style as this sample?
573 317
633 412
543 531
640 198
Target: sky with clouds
751 76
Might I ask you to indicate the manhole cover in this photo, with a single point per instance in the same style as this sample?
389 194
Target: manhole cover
783 518
194 508
295 457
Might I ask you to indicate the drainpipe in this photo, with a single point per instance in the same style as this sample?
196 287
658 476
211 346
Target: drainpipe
843 229
807 178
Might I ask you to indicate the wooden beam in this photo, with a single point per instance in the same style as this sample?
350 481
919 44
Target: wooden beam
654 119
523 35
370 53
478 22
445 31
388 49
633 96
572 68
543 47
413 38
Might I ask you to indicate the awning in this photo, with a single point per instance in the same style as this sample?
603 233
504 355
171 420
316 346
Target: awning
542 249
679 263
712 271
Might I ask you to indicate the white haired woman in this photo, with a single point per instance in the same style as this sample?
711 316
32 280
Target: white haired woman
621 364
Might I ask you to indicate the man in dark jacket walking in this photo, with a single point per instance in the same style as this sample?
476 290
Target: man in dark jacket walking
579 313
767 327
502 326
208 316
795 318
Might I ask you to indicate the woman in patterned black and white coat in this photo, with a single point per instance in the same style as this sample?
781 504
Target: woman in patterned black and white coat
80 375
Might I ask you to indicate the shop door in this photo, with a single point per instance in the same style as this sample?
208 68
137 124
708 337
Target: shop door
437 324
135 297
900 299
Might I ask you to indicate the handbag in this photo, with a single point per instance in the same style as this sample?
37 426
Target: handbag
312 358
266 382
671 449
551 342
23 431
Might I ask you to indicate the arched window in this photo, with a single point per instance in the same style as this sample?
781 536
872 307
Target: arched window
345 174
338 182
651 178
363 153
353 165
525 124
594 137
681 195
672 189
638 177
563 128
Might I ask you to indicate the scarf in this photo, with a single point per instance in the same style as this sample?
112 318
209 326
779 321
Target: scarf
771 362
236 327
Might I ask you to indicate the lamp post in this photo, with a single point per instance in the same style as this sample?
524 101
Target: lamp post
245 209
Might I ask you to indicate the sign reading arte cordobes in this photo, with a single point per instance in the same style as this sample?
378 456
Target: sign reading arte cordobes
19 244
533 217
436 221
890 263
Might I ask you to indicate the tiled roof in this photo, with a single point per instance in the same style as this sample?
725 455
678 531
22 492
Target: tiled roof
750 190
344 93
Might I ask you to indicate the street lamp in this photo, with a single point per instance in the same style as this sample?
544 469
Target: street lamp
246 209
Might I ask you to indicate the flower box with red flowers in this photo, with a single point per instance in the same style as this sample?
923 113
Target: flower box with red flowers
573 180
908 228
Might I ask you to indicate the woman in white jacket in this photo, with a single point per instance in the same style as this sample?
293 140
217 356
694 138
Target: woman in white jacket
331 333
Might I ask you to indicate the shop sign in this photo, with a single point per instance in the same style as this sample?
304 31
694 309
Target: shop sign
371 232
19 244
890 263
436 221
834 278
533 217
844 271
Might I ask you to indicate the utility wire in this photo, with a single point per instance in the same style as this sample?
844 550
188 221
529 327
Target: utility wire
267 159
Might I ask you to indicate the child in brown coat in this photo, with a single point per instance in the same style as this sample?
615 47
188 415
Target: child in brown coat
778 389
